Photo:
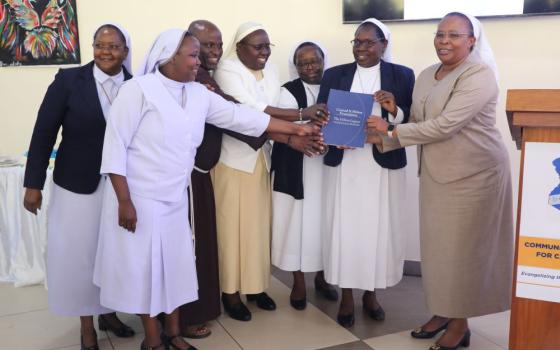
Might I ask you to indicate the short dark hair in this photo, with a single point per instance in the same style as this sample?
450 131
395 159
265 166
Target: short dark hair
110 26
308 44
378 30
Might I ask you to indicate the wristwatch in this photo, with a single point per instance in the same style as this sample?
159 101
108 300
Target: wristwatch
390 129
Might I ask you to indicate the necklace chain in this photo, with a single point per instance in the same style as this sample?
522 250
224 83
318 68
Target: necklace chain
308 89
183 98
107 95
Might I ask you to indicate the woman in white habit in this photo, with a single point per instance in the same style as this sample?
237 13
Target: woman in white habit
154 127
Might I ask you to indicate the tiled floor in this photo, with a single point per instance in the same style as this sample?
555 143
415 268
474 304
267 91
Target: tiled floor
26 324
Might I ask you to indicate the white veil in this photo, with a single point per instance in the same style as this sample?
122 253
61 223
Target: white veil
163 48
292 70
388 54
482 49
128 60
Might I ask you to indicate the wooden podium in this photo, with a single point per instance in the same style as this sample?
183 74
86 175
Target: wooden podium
533 116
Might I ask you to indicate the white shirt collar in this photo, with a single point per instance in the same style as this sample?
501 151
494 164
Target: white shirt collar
102 77
372 68
311 86
169 82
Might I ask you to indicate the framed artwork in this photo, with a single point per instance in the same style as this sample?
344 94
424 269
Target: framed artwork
38 32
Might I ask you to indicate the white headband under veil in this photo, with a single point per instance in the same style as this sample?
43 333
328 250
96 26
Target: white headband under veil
164 47
482 49
388 54
243 30
128 42
292 70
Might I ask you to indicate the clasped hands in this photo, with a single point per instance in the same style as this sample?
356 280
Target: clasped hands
309 140
317 114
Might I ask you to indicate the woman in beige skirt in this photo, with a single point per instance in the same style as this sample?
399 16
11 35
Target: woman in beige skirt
242 179
466 215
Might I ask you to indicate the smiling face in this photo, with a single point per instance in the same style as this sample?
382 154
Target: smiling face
368 47
211 47
254 50
309 64
184 65
109 50
454 40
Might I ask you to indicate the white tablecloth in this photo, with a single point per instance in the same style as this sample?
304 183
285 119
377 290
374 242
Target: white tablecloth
23 236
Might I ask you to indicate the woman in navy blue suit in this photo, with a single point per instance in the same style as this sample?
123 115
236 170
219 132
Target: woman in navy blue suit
363 245
77 101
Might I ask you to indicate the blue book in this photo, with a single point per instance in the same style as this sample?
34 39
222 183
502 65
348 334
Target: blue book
348 116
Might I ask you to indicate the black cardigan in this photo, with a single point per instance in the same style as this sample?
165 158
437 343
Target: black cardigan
287 163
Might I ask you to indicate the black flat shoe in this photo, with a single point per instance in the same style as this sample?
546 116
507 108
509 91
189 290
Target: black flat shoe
299 304
465 342
168 342
345 321
83 347
263 301
376 314
419 333
237 311
93 347
122 331
326 291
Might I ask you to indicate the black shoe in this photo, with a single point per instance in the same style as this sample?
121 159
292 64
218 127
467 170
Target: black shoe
326 290
83 347
345 321
299 304
122 331
93 347
465 342
237 311
263 301
419 333
376 314
168 342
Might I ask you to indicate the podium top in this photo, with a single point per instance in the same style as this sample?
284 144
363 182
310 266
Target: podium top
532 108
533 100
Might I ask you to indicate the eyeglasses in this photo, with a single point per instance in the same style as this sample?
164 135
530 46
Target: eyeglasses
110 47
212 46
311 64
260 47
450 35
366 43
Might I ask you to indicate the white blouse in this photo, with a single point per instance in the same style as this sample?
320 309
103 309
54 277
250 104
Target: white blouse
368 81
107 87
155 126
238 81
287 100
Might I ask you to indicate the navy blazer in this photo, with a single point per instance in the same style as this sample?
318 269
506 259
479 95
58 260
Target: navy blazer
397 79
71 102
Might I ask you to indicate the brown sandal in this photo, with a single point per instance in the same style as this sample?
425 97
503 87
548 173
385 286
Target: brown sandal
144 347
196 331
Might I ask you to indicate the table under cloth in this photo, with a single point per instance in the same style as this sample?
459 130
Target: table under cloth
23 236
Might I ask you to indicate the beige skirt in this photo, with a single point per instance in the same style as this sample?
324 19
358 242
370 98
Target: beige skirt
466 239
243 212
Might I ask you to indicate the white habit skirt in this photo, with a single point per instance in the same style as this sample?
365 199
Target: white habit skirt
73 228
296 224
364 244
149 271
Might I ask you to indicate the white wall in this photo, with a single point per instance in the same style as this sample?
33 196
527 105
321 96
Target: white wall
526 49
